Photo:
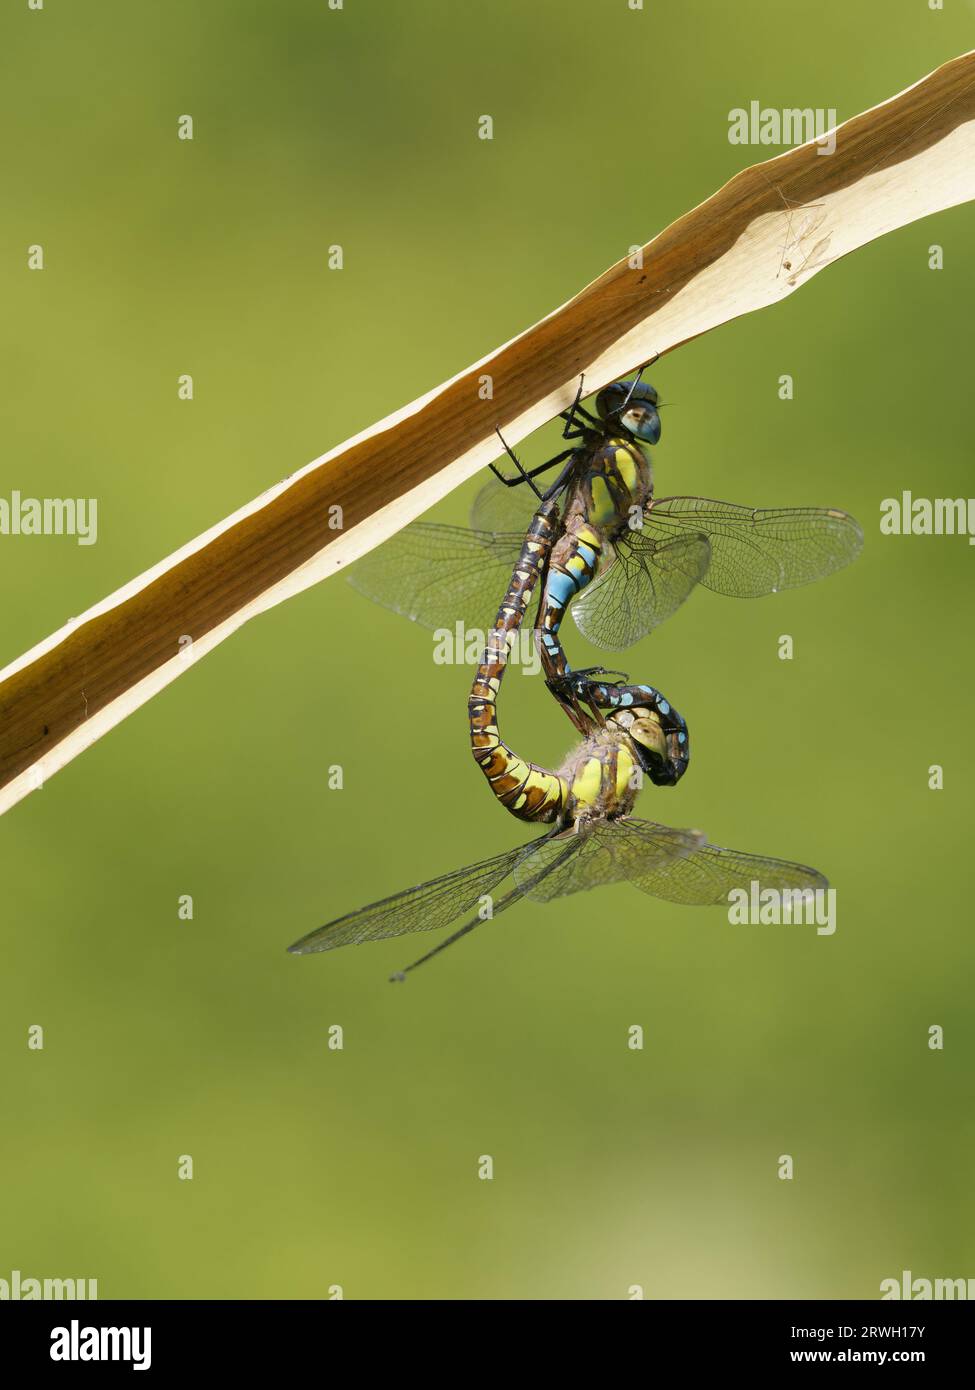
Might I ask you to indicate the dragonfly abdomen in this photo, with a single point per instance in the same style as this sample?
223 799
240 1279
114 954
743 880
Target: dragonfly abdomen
529 792
573 565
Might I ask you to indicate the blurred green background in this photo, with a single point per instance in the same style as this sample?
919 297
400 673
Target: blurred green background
358 1168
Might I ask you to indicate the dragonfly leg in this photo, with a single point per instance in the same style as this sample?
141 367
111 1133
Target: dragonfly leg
567 694
526 475
570 415
636 381
572 428
572 690
633 385
577 433
563 477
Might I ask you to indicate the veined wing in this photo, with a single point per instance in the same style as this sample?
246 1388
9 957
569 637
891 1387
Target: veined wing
754 550
648 581
427 907
437 575
705 877
501 509
607 854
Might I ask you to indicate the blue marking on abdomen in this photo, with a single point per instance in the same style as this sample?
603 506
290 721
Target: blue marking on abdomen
561 587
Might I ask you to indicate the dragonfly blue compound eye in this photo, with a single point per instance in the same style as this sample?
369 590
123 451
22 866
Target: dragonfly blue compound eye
642 421
625 393
643 391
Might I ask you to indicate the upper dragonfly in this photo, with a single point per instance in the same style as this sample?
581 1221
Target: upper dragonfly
645 554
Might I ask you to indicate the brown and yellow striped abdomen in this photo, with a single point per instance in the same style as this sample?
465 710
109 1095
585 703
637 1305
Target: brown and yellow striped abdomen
529 792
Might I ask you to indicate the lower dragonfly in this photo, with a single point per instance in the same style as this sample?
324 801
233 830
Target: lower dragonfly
594 839
624 558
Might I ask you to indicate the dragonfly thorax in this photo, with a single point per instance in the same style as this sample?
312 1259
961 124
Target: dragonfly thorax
605 773
613 486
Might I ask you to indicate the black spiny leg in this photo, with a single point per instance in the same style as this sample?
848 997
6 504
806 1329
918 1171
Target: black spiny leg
563 478
573 689
572 429
636 381
581 717
526 475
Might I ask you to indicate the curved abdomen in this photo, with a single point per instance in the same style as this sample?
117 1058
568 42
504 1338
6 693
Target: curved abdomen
529 792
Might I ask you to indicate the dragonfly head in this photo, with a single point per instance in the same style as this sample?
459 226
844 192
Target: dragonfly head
632 408
642 728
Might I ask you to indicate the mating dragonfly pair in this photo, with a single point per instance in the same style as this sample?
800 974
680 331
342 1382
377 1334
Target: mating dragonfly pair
629 560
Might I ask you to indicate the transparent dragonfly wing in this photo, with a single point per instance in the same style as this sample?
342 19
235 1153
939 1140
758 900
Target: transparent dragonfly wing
439 575
609 853
678 866
705 877
426 907
501 510
756 551
648 581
